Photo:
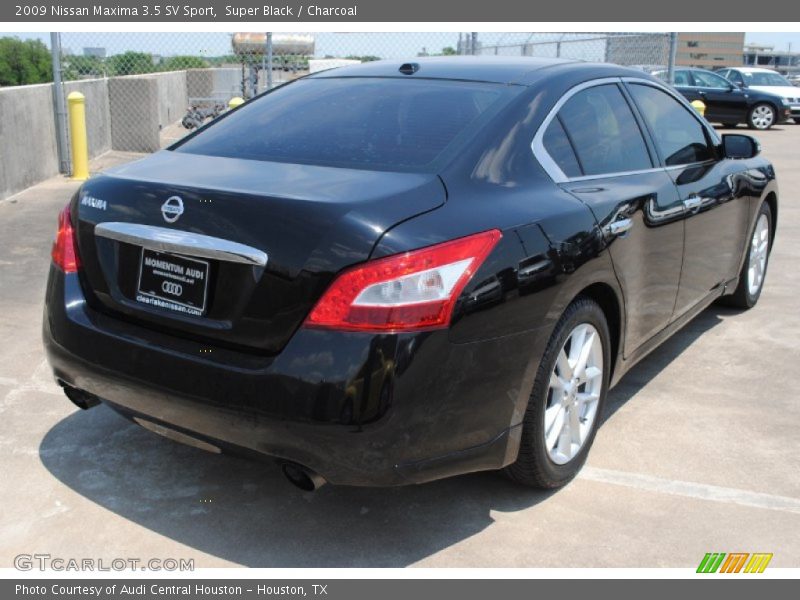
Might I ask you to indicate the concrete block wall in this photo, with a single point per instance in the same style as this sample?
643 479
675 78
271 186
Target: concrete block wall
27 137
221 83
134 109
172 97
141 105
122 113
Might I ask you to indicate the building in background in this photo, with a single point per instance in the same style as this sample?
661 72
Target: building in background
710 50
706 50
468 44
97 52
786 63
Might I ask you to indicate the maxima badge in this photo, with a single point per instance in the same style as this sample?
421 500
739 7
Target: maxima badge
172 209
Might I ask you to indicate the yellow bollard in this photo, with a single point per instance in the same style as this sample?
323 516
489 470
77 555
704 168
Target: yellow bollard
77 134
700 107
234 102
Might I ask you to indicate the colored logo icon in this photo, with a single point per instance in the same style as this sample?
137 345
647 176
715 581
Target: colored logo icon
734 562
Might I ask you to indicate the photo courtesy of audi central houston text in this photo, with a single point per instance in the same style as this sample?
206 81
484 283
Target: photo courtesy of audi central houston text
443 267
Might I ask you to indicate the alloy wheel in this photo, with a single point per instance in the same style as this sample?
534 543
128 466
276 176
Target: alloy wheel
762 117
575 386
759 251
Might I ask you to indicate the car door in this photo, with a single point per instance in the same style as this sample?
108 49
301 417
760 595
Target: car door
725 103
594 148
683 82
712 191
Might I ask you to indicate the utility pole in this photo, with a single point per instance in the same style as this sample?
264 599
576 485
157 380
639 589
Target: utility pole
673 53
59 106
269 60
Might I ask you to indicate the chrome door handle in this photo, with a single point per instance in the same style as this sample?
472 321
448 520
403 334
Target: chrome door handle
619 227
530 270
692 202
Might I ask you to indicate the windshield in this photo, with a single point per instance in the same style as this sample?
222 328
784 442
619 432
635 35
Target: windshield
367 123
772 79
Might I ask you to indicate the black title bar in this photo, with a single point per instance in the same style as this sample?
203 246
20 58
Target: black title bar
310 11
372 589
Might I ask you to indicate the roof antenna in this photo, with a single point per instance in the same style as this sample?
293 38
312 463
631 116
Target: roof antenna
409 68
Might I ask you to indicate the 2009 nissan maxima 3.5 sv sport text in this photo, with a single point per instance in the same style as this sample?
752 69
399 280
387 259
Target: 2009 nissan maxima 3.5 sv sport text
392 273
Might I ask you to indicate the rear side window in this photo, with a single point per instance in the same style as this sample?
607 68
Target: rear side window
355 123
679 135
560 150
603 131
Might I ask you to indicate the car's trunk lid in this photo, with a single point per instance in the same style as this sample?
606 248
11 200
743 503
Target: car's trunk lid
308 222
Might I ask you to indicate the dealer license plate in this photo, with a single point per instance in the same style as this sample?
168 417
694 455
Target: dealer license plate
173 282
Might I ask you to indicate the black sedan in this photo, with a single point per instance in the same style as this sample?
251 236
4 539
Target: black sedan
393 273
727 103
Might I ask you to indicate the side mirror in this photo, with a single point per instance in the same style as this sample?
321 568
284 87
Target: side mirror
736 145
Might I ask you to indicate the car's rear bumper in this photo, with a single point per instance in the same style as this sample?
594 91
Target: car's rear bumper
358 409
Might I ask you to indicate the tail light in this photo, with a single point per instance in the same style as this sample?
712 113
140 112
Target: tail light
411 291
64 253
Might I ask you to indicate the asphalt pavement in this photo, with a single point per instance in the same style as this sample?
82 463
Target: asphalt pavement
699 452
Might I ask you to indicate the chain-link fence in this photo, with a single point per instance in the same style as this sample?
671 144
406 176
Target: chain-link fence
620 48
156 87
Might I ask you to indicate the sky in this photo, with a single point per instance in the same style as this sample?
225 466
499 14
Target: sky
781 41
386 45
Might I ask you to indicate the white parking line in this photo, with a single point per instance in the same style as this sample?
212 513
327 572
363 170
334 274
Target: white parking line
688 489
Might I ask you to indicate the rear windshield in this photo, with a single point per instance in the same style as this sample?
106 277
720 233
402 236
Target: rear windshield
401 124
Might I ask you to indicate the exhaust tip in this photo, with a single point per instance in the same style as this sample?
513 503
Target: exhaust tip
81 399
303 478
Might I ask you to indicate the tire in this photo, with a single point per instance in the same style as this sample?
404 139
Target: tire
748 291
762 116
538 464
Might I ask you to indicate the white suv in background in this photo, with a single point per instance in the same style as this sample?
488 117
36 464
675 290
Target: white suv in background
766 80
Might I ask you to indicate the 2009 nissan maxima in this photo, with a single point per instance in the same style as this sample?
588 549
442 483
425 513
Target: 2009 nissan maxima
392 273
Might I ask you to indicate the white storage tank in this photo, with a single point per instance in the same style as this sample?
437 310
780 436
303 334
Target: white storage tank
282 44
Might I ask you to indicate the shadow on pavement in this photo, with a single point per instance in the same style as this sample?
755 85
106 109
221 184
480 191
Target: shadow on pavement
247 513
635 379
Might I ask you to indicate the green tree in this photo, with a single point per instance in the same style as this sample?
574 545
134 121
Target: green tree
448 51
366 58
130 63
227 59
24 62
179 63
83 67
